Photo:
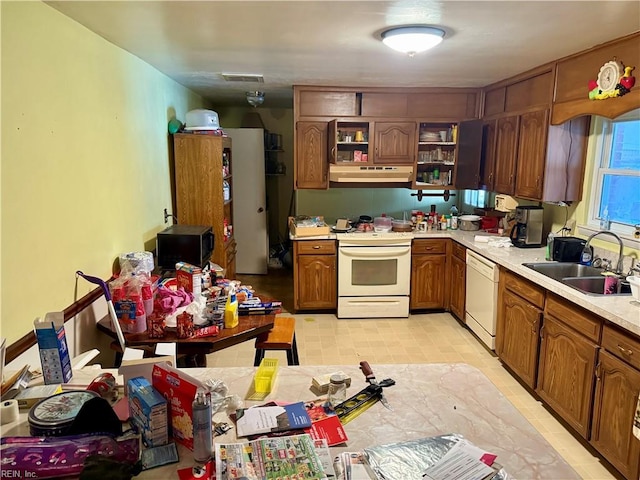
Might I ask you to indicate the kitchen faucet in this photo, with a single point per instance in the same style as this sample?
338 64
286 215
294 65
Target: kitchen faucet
607 232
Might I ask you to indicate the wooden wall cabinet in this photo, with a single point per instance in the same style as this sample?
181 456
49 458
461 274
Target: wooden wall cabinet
315 275
395 143
311 166
520 304
457 284
488 160
428 273
616 394
506 151
199 190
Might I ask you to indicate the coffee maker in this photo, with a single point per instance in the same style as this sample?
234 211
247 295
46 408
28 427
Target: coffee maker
527 232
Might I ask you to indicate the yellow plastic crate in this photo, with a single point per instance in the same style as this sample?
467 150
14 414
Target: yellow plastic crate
265 377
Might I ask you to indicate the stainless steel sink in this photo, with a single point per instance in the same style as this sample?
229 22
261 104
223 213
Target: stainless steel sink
588 280
594 285
560 270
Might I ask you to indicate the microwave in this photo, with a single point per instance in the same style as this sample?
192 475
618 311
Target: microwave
184 243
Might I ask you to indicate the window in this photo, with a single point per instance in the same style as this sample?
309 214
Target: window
615 190
475 198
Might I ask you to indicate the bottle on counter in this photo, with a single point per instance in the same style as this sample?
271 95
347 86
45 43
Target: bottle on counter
231 319
443 223
549 250
202 426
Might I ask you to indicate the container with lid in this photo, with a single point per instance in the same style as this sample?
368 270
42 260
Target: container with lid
337 389
53 416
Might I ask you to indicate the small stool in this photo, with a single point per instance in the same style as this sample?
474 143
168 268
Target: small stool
281 337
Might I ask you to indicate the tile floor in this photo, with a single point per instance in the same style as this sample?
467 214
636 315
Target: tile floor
426 338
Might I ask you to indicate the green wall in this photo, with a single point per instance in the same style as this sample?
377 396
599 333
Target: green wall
85 171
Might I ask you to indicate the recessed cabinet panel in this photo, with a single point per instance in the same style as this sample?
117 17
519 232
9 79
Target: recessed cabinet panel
467 169
444 106
384 104
532 92
494 101
488 162
328 103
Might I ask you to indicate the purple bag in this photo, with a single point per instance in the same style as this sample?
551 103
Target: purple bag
51 457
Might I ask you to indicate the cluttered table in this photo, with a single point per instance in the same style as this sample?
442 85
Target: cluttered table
249 326
427 400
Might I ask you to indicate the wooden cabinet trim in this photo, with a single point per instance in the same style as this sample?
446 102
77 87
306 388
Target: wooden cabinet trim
459 251
316 247
429 247
622 345
524 288
575 317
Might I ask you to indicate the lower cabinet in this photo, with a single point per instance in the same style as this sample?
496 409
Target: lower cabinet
518 325
566 373
315 275
428 273
616 396
457 280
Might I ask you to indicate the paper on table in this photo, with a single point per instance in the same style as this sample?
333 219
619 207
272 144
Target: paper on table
464 461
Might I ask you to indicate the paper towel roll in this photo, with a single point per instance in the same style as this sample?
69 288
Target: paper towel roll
9 411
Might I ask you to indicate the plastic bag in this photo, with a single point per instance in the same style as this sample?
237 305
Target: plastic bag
53 457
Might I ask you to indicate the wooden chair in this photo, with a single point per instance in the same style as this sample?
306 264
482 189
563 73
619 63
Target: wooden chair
281 337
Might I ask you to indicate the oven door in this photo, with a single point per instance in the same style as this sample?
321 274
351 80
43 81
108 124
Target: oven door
374 270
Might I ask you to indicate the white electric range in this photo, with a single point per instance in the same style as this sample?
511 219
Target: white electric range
374 272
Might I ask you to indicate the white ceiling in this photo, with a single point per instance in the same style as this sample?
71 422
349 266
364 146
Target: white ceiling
337 43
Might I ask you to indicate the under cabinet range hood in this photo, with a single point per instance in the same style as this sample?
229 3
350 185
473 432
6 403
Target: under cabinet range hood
370 173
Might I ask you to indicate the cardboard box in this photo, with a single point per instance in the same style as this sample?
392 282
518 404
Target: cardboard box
148 412
54 352
142 367
189 277
180 390
297 231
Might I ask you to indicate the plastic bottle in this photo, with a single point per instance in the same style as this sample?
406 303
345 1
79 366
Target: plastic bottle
443 223
337 389
549 250
231 309
202 426
587 256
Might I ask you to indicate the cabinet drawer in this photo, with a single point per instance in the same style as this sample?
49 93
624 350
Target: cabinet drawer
431 247
622 345
575 317
459 251
524 288
315 247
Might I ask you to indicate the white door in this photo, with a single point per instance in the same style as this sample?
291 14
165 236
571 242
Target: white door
249 200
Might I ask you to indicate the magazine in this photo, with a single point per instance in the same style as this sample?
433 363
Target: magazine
271 418
293 457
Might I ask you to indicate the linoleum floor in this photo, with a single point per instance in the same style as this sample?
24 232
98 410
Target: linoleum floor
323 339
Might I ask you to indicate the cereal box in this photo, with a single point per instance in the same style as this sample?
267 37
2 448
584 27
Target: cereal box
148 410
52 344
189 277
180 390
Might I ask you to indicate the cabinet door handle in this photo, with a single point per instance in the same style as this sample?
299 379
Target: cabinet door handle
538 181
260 210
491 178
316 247
625 351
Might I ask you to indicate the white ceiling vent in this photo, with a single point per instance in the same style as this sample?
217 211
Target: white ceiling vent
243 77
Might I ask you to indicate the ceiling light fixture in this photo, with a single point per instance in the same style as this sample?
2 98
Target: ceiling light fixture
255 98
412 39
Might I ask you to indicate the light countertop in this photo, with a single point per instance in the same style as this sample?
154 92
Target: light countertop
427 400
623 311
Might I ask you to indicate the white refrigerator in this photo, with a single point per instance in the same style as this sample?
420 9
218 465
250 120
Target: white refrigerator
249 200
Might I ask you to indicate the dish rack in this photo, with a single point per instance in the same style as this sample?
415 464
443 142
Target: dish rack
265 376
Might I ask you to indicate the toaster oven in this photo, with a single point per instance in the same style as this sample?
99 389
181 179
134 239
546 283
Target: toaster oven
184 243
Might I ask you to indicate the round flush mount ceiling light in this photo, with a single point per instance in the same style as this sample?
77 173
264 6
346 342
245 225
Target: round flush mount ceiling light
255 98
412 39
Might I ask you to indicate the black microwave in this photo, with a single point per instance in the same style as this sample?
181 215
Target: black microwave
184 243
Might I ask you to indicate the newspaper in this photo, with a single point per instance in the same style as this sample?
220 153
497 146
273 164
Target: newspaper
292 457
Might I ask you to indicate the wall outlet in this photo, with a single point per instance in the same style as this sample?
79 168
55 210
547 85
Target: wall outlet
570 225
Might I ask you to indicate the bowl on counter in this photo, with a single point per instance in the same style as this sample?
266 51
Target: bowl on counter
401 225
382 224
470 223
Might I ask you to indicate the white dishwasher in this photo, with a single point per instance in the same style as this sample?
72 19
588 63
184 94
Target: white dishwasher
482 298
